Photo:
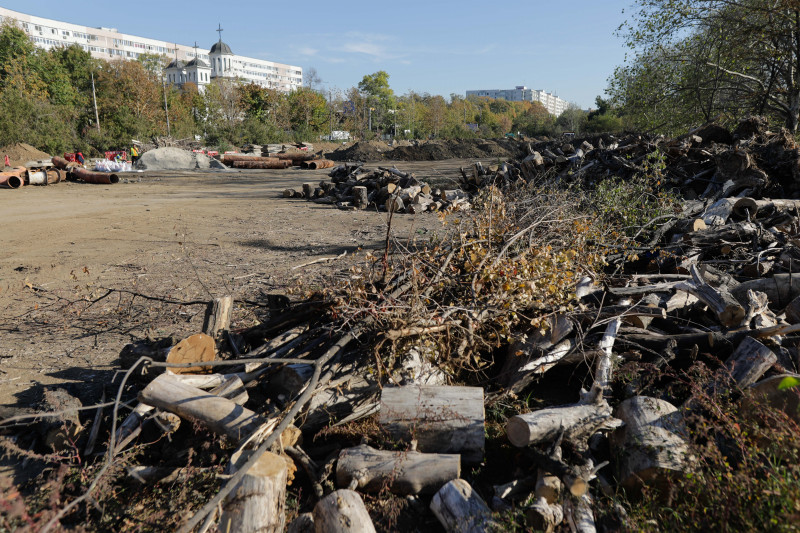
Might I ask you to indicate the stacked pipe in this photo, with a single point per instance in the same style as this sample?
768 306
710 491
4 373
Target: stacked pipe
42 176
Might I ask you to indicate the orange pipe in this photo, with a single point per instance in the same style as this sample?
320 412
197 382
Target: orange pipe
94 177
316 163
295 156
13 179
275 163
230 158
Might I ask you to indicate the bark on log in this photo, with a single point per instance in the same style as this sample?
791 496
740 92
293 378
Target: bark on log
579 514
257 503
748 206
728 310
342 511
441 419
360 198
232 388
650 448
409 472
544 516
222 416
577 421
748 363
460 509
719 212
781 289
218 317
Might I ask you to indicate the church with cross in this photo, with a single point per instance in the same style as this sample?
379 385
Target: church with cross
187 64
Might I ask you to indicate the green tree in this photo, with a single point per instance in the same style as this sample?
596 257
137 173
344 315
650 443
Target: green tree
693 59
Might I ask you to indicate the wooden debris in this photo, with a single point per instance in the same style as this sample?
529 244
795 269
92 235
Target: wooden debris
460 509
342 511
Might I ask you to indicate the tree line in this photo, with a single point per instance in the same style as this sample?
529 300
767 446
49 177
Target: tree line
62 99
694 61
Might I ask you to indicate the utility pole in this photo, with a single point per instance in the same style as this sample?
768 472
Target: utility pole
94 100
330 109
166 109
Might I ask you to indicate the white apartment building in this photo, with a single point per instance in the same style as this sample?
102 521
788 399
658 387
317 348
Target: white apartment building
188 64
553 104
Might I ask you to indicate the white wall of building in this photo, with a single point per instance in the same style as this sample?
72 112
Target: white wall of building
110 44
553 104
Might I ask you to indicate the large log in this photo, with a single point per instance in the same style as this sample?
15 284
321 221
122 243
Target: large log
221 415
650 448
441 419
408 472
578 422
342 511
257 503
460 509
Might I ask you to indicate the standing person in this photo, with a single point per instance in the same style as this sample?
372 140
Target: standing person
79 158
134 154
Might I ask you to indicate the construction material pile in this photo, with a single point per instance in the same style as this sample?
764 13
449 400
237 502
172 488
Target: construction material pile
386 189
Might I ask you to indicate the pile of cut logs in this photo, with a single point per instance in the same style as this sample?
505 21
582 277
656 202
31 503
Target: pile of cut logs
389 189
716 285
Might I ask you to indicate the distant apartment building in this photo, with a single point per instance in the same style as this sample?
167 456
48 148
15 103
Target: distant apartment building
187 63
520 93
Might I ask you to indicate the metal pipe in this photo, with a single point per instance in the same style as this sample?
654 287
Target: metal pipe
316 163
278 163
295 156
12 179
88 176
35 177
230 158
63 164
53 175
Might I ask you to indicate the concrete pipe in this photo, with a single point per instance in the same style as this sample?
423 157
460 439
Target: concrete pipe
13 179
94 177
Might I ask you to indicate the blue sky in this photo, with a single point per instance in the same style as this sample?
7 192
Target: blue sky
440 47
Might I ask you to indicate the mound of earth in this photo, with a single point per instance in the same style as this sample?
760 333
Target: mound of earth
20 153
360 151
170 158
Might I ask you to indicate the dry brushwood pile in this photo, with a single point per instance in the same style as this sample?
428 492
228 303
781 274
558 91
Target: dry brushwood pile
553 353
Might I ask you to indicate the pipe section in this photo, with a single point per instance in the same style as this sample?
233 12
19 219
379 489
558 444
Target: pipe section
88 176
316 163
230 158
276 163
13 179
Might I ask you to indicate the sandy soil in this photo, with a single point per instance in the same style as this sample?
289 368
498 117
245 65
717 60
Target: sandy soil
184 236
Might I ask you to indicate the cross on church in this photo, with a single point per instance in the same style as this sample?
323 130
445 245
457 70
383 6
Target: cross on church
219 29
195 50
176 53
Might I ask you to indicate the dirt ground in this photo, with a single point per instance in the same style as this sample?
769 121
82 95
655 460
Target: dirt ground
79 262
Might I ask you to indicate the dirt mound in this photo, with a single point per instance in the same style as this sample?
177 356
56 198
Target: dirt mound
170 158
360 151
20 153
